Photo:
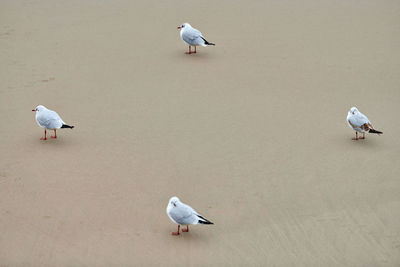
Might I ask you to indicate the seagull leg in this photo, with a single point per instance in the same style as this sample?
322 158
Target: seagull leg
44 138
190 50
55 134
356 138
195 49
187 229
177 232
363 137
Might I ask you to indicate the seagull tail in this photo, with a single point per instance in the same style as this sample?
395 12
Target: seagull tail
67 126
203 220
374 131
206 42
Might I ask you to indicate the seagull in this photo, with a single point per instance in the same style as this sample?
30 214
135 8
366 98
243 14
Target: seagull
183 214
49 120
192 37
360 123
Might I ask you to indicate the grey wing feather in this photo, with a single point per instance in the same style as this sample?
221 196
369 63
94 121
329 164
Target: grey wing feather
50 120
358 120
183 214
192 36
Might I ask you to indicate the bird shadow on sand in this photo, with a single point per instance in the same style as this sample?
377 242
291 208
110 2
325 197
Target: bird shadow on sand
194 234
58 143
370 142
200 55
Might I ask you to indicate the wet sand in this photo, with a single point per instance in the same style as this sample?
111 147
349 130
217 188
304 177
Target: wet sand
252 133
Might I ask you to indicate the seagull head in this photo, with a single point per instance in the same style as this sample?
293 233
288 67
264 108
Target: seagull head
184 25
39 108
353 110
173 201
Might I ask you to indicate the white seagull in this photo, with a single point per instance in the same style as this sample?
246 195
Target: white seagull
192 37
359 123
183 214
49 120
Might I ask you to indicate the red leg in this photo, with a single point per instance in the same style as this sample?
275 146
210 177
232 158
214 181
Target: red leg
363 137
356 138
190 50
55 134
44 138
195 49
177 232
187 229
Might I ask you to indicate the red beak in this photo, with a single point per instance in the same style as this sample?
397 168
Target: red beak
179 28
33 109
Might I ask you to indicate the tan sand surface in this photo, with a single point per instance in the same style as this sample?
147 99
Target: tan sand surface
251 133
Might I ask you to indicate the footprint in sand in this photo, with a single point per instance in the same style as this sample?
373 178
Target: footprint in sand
47 80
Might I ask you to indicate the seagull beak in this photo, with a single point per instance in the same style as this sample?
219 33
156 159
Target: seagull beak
33 109
179 28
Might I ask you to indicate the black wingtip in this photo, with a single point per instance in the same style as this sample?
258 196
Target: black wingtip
67 126
206 42
375 131
204 220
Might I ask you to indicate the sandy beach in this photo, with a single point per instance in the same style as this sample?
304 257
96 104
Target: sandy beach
252 133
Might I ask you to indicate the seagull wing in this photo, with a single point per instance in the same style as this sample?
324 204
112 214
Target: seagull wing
50 120
358 120
192 36
183 214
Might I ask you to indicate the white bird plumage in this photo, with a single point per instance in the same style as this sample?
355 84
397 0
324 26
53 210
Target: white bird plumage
183 214
49 120
192 37
359 123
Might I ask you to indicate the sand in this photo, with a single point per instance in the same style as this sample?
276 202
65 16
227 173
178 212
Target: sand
252 133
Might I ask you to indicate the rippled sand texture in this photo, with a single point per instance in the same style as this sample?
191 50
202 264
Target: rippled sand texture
252 133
